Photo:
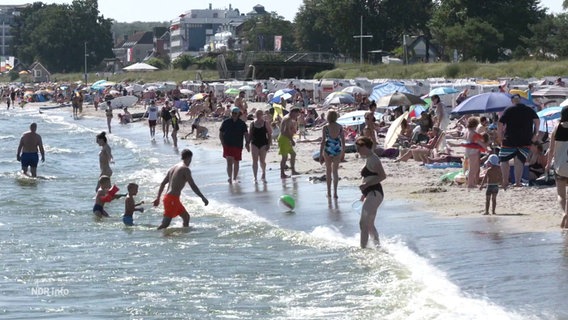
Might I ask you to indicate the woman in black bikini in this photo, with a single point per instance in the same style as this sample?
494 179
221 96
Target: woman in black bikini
372 174
261 139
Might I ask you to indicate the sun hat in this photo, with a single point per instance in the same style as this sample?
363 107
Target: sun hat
492 160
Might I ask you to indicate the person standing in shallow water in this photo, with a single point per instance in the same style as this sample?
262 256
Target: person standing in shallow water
105 157
176 178
30 144
372 196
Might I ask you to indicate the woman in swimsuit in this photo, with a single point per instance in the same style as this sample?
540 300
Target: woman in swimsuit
372 174
261 139
536 161
105 156
332 149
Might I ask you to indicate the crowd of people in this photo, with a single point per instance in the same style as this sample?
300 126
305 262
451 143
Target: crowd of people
491 144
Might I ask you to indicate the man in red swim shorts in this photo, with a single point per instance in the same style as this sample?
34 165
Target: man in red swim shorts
176 178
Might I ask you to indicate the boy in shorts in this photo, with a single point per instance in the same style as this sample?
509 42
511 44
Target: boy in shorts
130 205
493 178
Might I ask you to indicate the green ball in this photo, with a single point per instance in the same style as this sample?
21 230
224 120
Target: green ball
288 201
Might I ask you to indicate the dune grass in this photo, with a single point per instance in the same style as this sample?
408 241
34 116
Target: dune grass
468 69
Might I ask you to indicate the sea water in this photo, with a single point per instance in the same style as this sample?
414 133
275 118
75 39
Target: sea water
244 257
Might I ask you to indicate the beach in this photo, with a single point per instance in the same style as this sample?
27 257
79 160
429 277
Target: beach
526 209
246 257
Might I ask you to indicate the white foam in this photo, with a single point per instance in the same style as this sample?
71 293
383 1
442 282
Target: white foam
439 298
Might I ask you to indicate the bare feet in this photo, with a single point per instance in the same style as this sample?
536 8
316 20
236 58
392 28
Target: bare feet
335 196
486 213
283 176
230 181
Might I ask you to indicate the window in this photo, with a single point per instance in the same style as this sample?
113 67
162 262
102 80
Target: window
37 73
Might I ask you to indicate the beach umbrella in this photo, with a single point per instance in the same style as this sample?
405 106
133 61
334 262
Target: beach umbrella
521 93
283 93
354 90
246 88
549 118
97 85
355 118
394 131
487 102
552 91
416 110
338 98
186 92
387 88
199 96
564 103
442 91
399 99
232 91
140 66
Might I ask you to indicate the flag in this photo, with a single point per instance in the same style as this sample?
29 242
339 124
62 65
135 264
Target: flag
277 43
129 55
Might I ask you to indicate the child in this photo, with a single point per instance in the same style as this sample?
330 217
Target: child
302 126
130 205
493 178
104 194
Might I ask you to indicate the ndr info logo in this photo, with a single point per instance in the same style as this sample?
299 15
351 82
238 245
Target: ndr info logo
49 291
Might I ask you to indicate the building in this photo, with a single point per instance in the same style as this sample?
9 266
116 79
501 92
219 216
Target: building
134 48
7 16
39 73
198 30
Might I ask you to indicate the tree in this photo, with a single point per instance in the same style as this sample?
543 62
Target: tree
55 35
259 32
183 62
158 63
329 25
509 17
475 40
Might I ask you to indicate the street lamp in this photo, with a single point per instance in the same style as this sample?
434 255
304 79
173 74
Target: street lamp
253 70
86 55
361 36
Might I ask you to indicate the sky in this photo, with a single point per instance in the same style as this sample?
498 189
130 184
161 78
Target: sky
152 10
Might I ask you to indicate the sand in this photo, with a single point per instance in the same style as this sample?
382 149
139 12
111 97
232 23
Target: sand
525 209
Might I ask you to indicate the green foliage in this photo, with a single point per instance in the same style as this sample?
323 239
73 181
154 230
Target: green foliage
183 62
259 33
56 34
209 63
481 30
335 74
452 70
158 63
13 74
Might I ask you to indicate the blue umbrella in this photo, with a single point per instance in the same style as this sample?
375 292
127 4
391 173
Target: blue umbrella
387 88
442 91
549 118
282 92
487 102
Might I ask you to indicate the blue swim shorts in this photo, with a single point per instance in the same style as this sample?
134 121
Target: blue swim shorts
29 159
128 220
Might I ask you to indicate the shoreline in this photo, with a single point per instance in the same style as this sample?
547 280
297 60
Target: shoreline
526 209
